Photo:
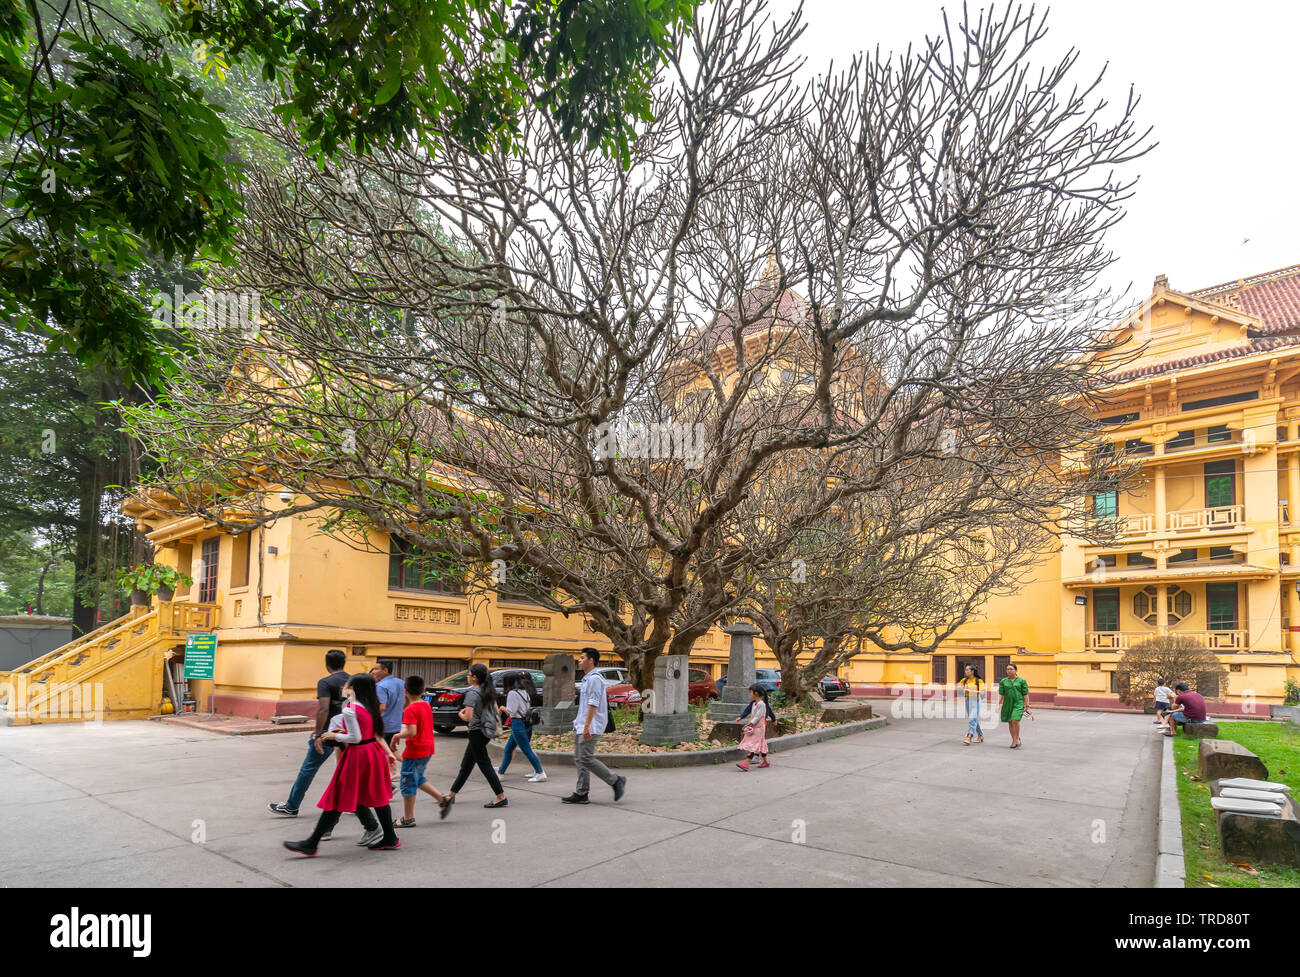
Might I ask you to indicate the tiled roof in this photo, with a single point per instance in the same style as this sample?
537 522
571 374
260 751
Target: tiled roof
1250 347
761 308
1274 296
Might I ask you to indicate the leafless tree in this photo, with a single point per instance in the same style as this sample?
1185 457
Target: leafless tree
586 372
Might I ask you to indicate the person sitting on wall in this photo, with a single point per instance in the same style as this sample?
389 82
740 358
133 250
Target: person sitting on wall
1189 709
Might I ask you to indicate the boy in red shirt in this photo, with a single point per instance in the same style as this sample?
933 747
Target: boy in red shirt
416 735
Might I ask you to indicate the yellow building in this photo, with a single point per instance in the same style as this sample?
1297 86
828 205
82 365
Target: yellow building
1207 401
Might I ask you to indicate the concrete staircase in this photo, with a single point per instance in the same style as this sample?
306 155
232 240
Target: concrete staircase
113 672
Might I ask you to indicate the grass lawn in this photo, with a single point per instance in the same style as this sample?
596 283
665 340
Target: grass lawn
1278 745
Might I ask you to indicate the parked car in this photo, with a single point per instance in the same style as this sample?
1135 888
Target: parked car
701 688
833 687
446 697
618 691
768 678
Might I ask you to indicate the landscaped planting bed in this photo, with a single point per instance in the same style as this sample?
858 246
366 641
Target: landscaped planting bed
1278 745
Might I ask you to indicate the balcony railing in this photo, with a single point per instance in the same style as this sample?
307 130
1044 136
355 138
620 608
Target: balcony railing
1222 642
1219 517
1180 520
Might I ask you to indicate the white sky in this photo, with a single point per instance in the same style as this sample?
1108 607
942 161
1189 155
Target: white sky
1218 82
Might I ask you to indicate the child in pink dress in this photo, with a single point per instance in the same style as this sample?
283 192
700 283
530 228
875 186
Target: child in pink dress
361 777
754 742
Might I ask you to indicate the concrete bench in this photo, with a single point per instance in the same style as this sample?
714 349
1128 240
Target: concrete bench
1269 796
845 712
1239 805
1245 783
1217 759
1268 833
1201 731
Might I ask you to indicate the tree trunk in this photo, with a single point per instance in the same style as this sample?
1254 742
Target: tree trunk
84 604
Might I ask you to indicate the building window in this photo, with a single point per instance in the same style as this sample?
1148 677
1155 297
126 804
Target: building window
1105 505
1185 439
1183 556
1105 609
1119 418
1136 446
523 585
239 557
1218 433
1138 560
434 573
208 570
1177 601
1221 401
1221 606
1220 484
1221 553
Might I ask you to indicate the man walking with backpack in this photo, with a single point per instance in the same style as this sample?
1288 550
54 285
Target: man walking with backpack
592 721
329 703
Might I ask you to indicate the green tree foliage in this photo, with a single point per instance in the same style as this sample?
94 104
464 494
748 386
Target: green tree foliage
117 154
34 576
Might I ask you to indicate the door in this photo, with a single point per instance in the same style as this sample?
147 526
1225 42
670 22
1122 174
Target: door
1221 606
1105 609
1000 663
208 570
959 668
1220 484
184 563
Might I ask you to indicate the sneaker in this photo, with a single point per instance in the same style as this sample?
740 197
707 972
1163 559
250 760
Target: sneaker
575 798
620 788
397 843
444 806
327 835
301 847
537 778
370 837
743 765
280 809
764 764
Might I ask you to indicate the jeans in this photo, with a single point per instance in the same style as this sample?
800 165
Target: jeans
973 716
584 753
307 772
521 736
476 755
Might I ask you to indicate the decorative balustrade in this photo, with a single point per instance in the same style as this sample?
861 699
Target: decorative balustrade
1222 642
1219 517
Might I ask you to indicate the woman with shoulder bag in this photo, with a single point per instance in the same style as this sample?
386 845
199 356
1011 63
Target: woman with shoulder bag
480 711
519 707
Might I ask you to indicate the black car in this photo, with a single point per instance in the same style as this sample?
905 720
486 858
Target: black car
447 696
833 687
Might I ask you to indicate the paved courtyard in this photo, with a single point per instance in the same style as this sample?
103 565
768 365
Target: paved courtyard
140 803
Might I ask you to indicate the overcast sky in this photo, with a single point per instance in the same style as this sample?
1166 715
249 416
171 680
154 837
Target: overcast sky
1219 198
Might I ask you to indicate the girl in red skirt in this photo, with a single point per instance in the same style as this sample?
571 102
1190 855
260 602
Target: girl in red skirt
361 776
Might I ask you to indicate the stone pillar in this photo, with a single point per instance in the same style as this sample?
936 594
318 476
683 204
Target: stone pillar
559 706
1160 500
1293 489
1162 609
670 720
740 674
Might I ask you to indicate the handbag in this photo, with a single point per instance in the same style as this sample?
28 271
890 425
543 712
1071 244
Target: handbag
609 725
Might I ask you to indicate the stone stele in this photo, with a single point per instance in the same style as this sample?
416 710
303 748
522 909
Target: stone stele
670 719
558 706
740 674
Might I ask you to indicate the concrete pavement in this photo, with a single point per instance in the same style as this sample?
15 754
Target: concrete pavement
139 803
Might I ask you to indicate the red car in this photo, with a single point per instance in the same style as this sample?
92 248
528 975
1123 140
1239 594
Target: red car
702 688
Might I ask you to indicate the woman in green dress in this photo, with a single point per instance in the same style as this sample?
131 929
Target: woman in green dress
1015 702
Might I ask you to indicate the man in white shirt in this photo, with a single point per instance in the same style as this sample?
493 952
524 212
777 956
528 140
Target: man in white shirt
590 723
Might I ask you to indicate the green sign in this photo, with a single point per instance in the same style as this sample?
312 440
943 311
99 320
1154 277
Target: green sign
200 655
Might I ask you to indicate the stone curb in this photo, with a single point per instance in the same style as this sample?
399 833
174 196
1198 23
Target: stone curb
698 758
1171 870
